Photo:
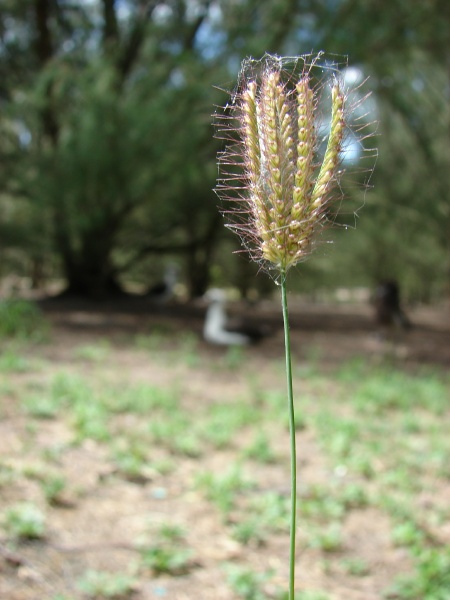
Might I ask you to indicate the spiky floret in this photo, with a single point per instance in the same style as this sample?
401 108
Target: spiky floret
284 191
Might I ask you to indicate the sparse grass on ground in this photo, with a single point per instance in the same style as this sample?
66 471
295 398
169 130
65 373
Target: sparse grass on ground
148 466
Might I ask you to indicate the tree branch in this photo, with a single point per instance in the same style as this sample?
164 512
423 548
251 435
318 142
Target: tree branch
191 32
44 52
157 250
136 38
110 27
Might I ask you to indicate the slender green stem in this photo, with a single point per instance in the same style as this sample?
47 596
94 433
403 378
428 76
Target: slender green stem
287 345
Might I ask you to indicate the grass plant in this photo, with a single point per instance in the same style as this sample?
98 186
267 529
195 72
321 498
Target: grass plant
284 190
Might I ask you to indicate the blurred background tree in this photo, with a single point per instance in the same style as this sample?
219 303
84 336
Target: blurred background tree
107 158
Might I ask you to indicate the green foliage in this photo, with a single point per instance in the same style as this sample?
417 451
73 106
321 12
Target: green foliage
169 555
12 362
68 389
41 406
223 489
102 584
224 420
174 433
7 475
250 531
260 449
355 566
245 583
23 320
165 560
132 461
407 533
95 353
234 357
89 108
393 390
143 398
24 521
53 486
272 509
431 581
327 539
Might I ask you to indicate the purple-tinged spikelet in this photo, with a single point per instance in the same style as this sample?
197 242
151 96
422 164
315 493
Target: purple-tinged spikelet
282 192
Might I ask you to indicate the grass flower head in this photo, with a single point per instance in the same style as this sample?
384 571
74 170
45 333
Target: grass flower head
273 169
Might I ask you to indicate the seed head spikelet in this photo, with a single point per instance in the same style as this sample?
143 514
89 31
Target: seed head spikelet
283 188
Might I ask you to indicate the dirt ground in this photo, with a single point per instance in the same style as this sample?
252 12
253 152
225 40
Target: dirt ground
335 332
102 515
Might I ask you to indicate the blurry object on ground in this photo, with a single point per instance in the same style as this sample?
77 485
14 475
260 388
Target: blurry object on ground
219 330
388 310
163 291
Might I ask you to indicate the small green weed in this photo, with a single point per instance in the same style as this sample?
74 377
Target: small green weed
11 362
353 495
130 457
102 584
247 584
188 349
24 521
95 353
23 320
166 560
389 390
68 389
272 511
408 534
260 449
250 531
169 555
53 487
321 503
339 435
355 566
154 341
41 406
142 398
234 358
174 433
7 474
327 539
431 581
225 420
171 533
223 489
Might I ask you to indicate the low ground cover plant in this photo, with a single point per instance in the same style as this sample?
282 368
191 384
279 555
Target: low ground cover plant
371 470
